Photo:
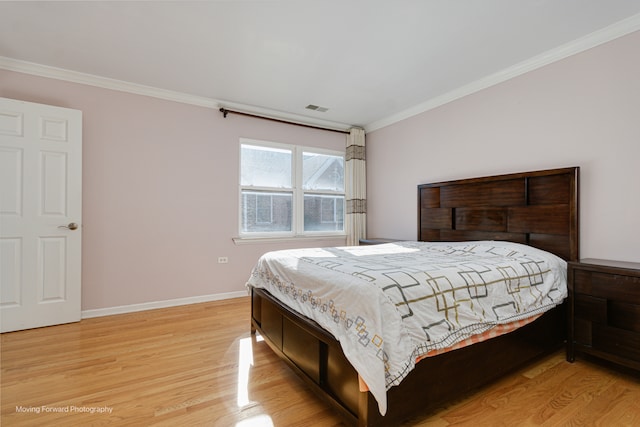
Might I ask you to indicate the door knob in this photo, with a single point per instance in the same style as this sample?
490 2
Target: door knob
70 226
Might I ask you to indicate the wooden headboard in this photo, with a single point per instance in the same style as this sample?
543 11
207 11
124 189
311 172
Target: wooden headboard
538 208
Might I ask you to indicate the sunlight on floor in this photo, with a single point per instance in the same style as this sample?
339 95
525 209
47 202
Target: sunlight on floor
245 361
257 421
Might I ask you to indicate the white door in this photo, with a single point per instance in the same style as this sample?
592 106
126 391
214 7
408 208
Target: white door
40 214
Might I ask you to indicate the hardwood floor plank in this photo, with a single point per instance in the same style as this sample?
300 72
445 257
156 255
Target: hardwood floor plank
198 365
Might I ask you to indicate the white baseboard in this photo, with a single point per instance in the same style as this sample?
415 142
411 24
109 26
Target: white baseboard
99 312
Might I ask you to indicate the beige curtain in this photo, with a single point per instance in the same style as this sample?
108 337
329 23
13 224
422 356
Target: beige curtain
355 180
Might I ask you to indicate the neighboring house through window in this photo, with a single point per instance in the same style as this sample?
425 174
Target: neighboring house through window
290 190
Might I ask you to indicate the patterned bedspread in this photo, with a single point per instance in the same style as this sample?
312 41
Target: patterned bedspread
389 304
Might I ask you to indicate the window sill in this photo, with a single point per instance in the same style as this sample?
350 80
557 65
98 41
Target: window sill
260 240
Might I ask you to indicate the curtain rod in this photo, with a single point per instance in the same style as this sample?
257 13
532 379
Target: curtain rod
224 112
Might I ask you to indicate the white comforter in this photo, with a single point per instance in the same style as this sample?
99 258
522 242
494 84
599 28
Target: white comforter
388 304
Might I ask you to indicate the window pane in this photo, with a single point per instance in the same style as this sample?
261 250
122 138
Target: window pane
323 213
265 167
265 211
322 172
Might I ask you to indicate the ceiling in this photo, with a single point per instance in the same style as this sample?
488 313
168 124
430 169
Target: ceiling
368 62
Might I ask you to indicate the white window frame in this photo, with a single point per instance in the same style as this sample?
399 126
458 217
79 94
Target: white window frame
298 193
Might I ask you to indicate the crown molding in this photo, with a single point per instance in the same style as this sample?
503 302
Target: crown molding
619 29
40 70
103 82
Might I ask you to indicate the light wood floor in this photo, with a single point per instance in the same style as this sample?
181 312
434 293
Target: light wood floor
198 365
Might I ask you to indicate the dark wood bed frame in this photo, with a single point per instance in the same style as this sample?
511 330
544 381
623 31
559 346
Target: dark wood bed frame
535 208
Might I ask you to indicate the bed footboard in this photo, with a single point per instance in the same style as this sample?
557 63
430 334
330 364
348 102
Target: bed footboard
317 358
309 350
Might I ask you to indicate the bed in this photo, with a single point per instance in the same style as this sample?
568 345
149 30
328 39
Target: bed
534 210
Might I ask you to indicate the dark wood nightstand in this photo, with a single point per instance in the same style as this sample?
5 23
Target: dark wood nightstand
604 311
376 241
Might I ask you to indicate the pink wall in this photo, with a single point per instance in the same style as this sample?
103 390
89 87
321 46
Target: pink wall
581 111
160 191
160 197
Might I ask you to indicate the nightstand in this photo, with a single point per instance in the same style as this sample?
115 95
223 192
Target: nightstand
376 241
604 311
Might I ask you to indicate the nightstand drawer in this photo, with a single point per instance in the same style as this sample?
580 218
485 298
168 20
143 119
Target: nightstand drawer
590 308
611 286
617 342
624 316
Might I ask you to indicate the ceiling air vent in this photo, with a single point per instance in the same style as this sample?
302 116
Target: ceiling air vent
316 108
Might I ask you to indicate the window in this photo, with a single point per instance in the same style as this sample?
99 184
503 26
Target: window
288 190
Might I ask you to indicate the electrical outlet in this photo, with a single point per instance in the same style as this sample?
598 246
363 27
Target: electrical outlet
223 260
